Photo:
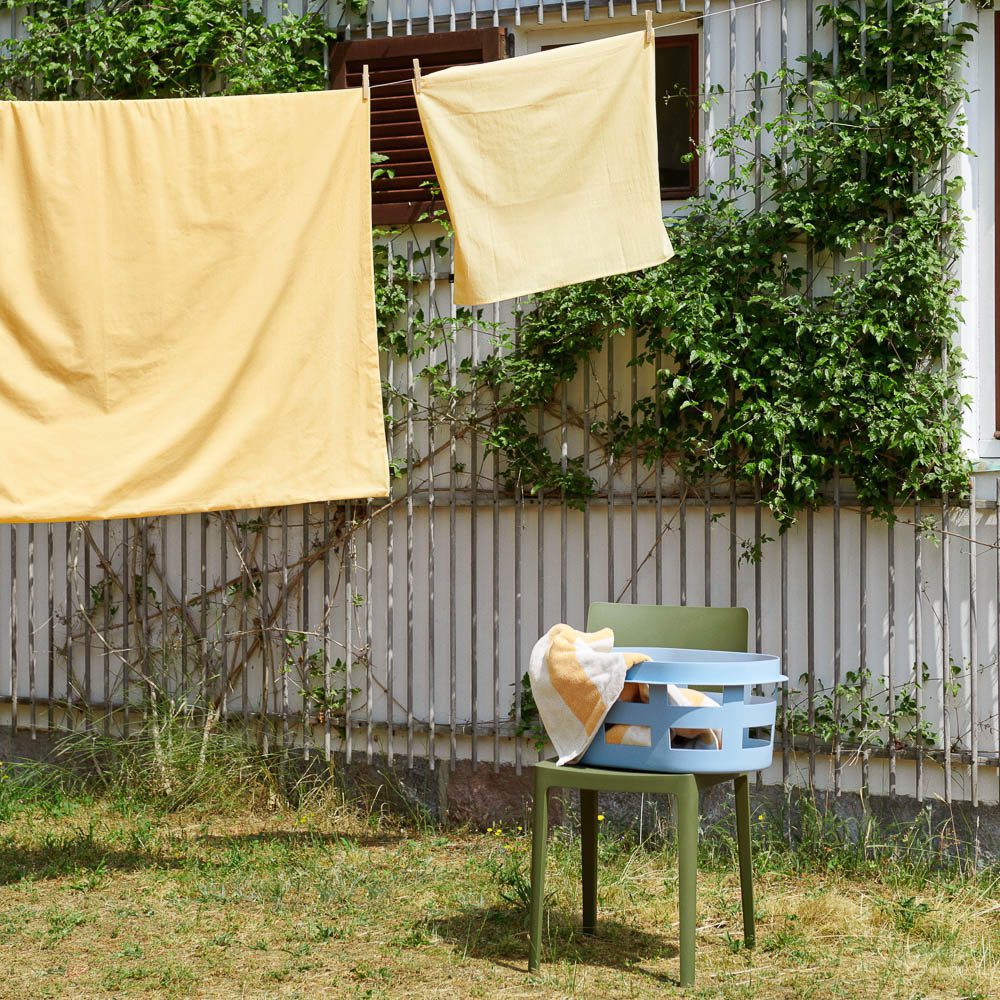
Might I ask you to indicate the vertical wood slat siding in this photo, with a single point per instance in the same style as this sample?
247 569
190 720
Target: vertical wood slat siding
965 742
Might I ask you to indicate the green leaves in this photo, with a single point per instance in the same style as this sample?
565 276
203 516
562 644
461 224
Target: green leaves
781 343
160 48
805 337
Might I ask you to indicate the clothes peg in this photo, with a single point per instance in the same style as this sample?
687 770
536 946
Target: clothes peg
366 92
416 75
649 27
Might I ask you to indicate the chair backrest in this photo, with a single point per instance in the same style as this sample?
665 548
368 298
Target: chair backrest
666 625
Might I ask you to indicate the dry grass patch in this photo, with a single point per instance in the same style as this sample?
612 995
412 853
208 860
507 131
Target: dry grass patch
110 899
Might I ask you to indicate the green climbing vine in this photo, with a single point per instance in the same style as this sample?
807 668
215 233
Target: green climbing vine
159 48
812 332
807 323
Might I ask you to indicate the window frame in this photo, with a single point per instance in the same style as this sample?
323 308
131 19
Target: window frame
692 42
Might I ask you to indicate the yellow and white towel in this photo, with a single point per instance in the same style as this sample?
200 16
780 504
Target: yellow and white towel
624 735
704 739
575 679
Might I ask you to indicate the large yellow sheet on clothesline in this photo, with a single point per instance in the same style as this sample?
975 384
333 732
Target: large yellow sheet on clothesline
186 306
548 166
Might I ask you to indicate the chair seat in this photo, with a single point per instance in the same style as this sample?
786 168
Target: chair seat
605 779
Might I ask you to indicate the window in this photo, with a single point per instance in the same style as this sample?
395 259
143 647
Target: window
395 128
677 114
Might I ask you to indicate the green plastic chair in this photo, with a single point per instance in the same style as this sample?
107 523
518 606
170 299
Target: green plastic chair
647 625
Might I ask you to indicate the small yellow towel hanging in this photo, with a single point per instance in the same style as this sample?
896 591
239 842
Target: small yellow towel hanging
548 166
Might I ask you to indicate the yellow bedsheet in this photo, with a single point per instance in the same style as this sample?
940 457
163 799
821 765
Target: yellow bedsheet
187 319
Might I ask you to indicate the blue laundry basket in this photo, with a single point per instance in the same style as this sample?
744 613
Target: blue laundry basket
745 720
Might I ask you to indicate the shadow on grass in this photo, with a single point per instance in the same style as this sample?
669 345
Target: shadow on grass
301 838
500 934
88 859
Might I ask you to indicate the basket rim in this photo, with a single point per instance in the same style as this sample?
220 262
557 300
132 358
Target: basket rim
667 665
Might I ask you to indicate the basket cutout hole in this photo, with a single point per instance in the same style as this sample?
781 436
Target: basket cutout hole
695 739
712 690
621 735
757 733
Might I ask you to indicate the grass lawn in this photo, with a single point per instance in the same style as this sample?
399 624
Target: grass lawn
106 895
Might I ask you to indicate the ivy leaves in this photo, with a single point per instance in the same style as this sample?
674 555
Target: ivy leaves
160 48
804 338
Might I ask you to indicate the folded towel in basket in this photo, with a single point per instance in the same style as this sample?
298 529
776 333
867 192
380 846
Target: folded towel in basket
575 679
701 739
681 739
630 736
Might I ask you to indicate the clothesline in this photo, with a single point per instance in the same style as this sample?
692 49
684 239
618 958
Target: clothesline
661 27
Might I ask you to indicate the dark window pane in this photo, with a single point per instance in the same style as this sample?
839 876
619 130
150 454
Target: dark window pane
673 113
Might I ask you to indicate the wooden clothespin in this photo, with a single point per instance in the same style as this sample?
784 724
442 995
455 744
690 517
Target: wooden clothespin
649 27
416 75
366 91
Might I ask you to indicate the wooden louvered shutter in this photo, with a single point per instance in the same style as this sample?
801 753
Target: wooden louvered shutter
396 130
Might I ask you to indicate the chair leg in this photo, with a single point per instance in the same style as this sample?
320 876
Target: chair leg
539 848
687 860
742 790
588 829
